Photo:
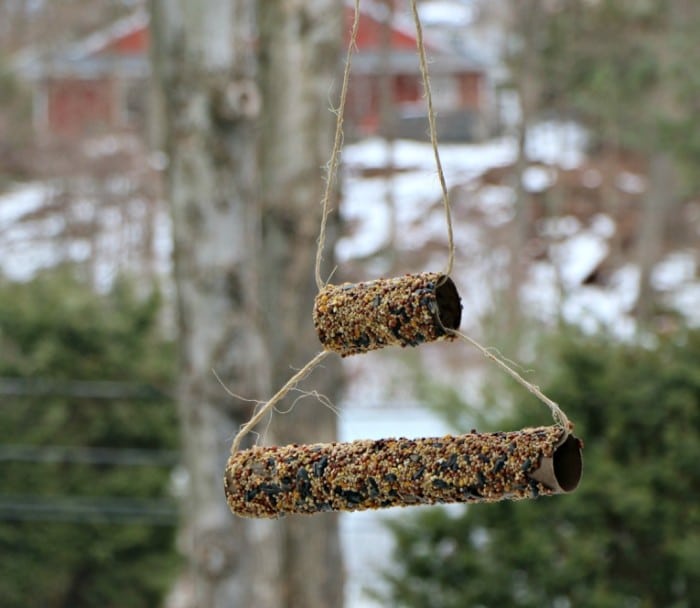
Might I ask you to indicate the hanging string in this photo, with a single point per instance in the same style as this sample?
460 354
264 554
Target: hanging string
433 135
557 413
276 398
332 169
331 173
559 416
332 166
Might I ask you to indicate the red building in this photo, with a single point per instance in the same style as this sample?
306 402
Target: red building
94 85
458 83
101 83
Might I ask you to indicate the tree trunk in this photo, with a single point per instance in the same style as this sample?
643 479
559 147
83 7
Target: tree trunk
244 191
300 47
387 129
201 60
526 67
658 201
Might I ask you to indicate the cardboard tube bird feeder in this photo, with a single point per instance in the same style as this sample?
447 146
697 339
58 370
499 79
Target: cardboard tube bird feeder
354 318
273 481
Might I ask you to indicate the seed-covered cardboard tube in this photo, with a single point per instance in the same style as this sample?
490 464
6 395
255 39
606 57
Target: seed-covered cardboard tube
354 318
370 474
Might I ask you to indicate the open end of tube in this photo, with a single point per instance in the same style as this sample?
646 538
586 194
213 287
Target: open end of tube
568 464
448 303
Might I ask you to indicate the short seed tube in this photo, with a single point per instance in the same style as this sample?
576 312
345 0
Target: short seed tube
354 318
370 474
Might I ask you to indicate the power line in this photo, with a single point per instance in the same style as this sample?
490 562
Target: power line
52 454
85 510
80 389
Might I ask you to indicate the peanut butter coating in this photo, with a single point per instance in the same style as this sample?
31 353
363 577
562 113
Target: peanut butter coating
273 481
354 318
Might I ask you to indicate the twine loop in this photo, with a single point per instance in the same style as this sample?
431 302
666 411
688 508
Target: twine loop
331 178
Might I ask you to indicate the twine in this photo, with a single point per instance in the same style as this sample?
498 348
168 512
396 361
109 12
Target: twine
433 136
557 413
276 398
559 416
332 166
331 175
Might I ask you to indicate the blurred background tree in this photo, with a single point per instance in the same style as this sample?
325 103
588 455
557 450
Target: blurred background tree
624 70
78 527
245 90
15 124
628 536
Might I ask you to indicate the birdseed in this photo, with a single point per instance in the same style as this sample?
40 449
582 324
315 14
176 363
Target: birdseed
354 318
272 481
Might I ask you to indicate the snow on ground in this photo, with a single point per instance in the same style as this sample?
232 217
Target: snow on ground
592 308
675 270
415 189
444 13
537 179
19 201
557 143
458 160
677 276
20 255
555 285
577 256
29 239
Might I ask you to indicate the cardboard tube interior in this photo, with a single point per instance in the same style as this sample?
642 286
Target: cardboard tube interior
449 306
369 474
355 318
562 471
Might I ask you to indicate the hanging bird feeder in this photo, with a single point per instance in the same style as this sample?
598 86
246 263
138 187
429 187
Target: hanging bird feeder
355 318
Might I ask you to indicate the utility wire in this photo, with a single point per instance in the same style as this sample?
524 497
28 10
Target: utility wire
51 454
80 389
86 510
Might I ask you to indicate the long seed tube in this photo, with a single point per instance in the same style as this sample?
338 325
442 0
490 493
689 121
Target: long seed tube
273 481
354 318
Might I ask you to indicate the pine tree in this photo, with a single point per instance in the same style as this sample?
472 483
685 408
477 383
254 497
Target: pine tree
56 334
625 69
628 536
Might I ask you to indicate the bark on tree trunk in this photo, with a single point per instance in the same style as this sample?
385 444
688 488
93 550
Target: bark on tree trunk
658 200
300 50
526 69
387 128
211 145
244 284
